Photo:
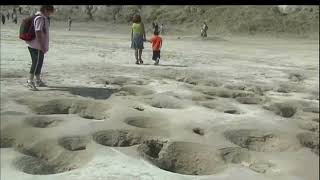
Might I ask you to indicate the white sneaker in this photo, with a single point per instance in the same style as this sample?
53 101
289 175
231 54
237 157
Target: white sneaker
32 86
40 83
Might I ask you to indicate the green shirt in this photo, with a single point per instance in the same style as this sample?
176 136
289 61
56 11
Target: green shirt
137 28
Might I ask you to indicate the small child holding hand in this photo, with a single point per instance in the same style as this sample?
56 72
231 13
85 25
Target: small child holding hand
156 41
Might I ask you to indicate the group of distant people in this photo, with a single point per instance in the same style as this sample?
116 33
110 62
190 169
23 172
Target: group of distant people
14 16
40 45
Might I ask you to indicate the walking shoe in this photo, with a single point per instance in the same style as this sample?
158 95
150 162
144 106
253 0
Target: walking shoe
40 83
140 61
32 86
157 62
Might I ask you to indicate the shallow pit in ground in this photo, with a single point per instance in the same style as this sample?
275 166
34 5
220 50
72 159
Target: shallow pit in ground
166 101
89 109
7 138
136 90
47 157
145 121
192 96
43 121
36 166
217 91
310 140
236 155
117 138
261 140
309 125
316 119
285 109
74 143
231 111
6 141
262 167
198 131
221 106
249 100
183 157
297 77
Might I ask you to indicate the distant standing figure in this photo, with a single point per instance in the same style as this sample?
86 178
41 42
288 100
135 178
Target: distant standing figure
69 23
156 27
138 35
8 16
15 19
3 18
20 10
14 11
153 25
204 29
161 29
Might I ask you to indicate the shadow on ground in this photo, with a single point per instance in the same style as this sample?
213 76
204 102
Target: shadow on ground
96 93
198 38
165 65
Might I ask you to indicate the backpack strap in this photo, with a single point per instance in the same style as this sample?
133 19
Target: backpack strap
34 21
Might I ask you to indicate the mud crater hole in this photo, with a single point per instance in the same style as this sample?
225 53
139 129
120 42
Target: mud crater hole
36 166
88 109
135 90
166 101
145 122
310 140
7 137
260 140
74 143
43 121
286 109
117 138
221 107
6 141
182 157
46 157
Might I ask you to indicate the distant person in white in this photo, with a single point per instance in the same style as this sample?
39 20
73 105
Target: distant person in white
204 29
161 29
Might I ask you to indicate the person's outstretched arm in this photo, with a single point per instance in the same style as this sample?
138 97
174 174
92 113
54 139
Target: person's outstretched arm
131 34
143 31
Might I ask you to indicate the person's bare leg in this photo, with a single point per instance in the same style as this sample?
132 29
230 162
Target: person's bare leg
140 54
136 55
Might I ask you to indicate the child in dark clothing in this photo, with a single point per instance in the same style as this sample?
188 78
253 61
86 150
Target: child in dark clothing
156 41
3 18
